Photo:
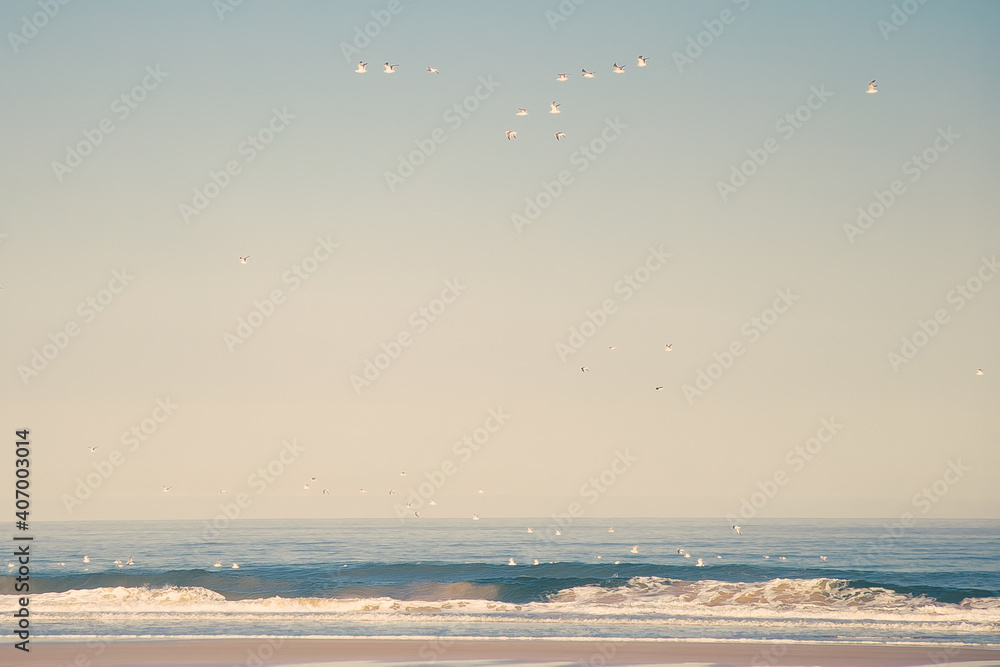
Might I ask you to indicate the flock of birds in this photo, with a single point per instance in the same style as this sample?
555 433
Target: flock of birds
521 111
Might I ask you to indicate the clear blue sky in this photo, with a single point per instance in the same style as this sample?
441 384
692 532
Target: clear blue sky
672 131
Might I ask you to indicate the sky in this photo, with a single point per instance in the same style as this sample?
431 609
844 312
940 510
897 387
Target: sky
821 260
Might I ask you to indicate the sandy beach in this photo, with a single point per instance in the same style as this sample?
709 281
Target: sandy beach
211 652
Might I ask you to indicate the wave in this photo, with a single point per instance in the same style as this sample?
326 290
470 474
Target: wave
634 600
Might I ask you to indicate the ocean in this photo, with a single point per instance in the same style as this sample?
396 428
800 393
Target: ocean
936 582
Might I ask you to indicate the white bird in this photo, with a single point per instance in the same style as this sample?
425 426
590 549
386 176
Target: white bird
584 369
642 61
562 77
680 551
10 564
700 563
363 491
390 69
619 69
166 489
562 135
978 372
433 502
718 556
119 564
822 557
402 474
217 563
536 561
782 558
235 566
118 561
588 75
611 529
598 557
521 112
530 529
659 388
243 260
510 134
305 486
94 449
409 506
558 532
668 347
129 561
872 88
687 555
739 530
766 556
312 479
635 549
433 70
416 514
391 492
554 108
326 492
362 68
475 517
511 562
60 564
86 559
612 347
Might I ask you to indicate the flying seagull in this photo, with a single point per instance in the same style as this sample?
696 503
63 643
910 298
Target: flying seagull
659 389
635 549
94 448
872 88
362 68
166 489
554 108
390 69
562 77
642 61
588 75
243 260
584 369
433 70
978 372
511 134
521 112
739 531
619 69
668 347
561 135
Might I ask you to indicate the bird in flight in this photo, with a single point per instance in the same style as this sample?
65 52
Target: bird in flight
562 77
243 260
584 369
739 531
521 112
475 517
659 389
94 448
554 108
432 70
390 69
872 88
362 68
642 61
511 134
326 492
560 135
166 488
588 75
619 69
612 347
668 347
978 372
635 549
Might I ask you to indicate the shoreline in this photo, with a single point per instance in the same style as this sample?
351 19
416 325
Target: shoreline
290 651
